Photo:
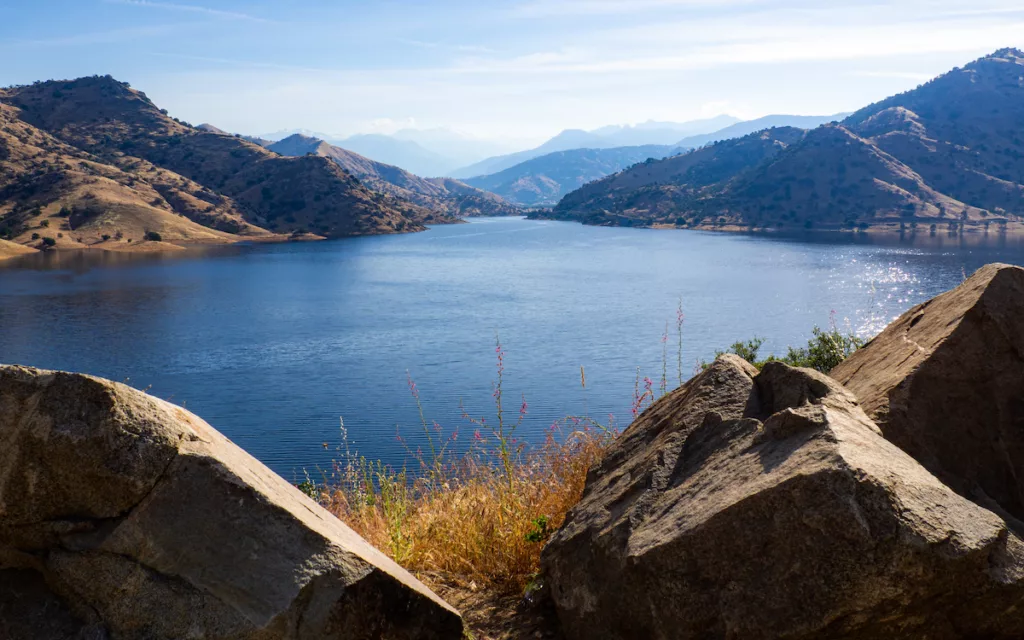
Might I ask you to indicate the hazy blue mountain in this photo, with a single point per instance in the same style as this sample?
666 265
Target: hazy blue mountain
407 154
544 180
460 147
746 127
651 132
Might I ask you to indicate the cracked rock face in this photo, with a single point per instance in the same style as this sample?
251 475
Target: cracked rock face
945 382
768 505
123 516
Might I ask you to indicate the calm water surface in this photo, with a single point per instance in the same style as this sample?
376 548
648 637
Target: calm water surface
272 344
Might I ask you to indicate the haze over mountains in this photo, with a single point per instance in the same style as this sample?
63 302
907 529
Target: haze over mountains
947 153
543 180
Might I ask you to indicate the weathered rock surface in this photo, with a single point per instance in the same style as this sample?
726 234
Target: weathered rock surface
123 516
945 383
768 505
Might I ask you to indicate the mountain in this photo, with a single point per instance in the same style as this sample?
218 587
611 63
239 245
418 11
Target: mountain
438 197
948 153
544 180
661 133
94 162
698 132
461 148
406 154
740 129
661 188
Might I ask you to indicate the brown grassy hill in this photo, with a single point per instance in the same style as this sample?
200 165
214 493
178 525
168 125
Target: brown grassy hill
10 249
467 200
441 197
119 124
49 189
949 152
669 187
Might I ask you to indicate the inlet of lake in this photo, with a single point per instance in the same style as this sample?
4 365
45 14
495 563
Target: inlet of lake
275 344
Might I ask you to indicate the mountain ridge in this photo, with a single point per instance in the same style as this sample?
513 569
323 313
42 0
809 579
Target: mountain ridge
946 153
93 162
441 198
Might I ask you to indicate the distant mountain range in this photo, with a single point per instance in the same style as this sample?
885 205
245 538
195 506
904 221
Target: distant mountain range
950 152
669 135
439 195
542 181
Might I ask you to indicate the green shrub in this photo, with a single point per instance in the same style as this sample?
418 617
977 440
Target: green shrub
824 351
153 236
49 242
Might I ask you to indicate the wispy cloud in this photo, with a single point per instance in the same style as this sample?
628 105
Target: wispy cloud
463 48
191 8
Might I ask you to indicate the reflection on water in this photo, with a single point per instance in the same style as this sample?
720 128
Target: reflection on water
272 343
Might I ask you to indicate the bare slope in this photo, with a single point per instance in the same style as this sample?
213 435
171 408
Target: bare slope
120 125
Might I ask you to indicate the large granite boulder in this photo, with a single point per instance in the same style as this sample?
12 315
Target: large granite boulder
945 383
768 505
123 516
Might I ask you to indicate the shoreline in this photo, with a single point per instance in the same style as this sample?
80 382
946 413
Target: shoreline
887 227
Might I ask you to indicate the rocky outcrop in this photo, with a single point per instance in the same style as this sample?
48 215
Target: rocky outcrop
768 505
124 516
945 382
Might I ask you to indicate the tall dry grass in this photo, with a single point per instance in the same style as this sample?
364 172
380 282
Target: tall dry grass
478 514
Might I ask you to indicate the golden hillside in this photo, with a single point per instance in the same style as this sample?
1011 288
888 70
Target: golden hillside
93 161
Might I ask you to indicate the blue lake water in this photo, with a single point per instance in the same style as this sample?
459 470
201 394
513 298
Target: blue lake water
272 344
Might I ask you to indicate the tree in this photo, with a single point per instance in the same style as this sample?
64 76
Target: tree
153 236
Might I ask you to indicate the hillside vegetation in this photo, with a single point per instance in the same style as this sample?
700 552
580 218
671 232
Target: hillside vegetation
947 153
428 199
93 162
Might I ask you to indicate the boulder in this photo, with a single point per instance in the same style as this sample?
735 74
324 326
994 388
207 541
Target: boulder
124 516
768 505
945 383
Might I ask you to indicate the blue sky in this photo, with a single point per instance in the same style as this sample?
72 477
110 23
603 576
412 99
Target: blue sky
511 70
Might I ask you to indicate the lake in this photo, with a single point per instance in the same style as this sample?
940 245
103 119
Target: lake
273 344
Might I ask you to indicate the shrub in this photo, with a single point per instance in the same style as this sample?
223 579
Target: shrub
49 242
824 351
153 236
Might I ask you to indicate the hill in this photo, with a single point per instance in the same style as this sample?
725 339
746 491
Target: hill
544 180
663 187
437 197
126 166
947 153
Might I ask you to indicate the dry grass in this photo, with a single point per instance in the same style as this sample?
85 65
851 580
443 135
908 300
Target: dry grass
469 520
476 518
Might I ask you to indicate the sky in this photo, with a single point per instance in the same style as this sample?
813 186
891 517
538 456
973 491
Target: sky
514 71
